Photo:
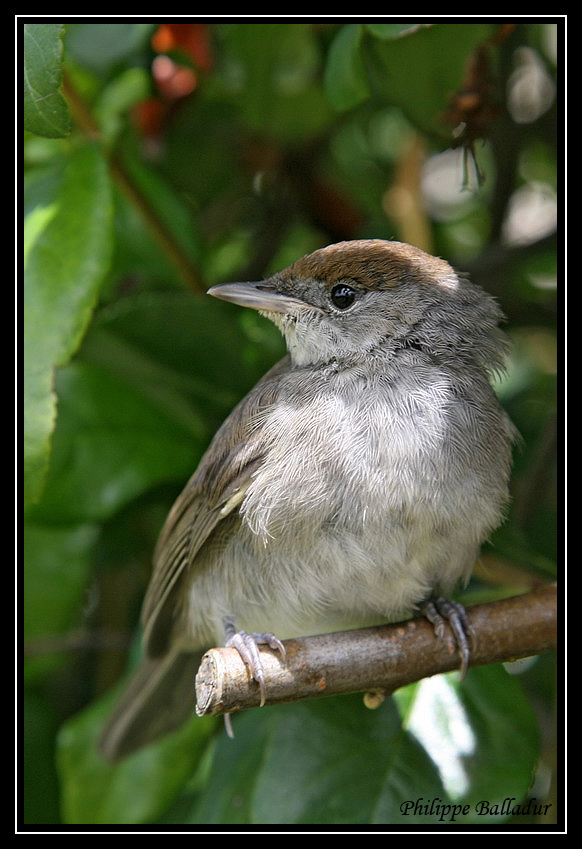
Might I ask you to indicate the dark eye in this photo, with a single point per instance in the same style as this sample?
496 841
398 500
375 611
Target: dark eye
342 296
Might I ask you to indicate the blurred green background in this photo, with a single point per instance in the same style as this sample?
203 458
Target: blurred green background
161 159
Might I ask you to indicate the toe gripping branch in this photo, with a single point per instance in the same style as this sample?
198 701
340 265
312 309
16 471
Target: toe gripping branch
247 647
439 612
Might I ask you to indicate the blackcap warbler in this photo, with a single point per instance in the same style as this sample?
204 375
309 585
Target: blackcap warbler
352 486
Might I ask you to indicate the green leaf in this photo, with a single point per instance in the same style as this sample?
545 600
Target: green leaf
111 444
45 110
155 377
344 764
40 801
481 733
136 790
345 80
67 249
56 569
137 252
227 797
198 345
420 71
328 761
99 46
117 98
507 734
389 31
271 73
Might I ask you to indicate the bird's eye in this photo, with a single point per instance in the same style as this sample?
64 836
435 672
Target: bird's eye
342 296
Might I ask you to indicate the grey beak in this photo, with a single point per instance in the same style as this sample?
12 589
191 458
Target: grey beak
258 296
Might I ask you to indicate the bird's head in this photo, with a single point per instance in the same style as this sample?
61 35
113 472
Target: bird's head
348 301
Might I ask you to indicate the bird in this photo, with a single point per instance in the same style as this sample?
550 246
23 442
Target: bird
354 484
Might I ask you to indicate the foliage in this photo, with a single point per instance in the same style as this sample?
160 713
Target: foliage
160 159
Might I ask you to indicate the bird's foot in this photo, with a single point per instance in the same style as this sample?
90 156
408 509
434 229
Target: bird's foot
439 611
247 646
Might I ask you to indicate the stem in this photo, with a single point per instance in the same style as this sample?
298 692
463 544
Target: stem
161 233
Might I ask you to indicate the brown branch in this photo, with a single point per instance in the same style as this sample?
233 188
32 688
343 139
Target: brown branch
376 659
157 227
162 234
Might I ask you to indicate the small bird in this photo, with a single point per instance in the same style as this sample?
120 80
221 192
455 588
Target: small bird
352 486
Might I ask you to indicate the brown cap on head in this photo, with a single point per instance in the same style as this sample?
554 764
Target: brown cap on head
375 263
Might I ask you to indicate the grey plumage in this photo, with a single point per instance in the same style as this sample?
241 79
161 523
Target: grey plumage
358 478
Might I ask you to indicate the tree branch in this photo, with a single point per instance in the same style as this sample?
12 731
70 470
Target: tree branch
376 659
120 173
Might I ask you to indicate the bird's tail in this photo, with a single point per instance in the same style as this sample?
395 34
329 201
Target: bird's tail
158 699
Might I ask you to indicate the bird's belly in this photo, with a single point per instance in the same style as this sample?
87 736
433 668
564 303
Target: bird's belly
314 580
352 518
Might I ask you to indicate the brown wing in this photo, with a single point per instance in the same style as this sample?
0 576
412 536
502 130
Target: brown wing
214 492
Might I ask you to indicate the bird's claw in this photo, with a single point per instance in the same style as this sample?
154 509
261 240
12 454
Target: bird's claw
247 646
439 611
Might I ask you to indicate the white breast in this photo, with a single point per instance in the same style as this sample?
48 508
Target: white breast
354 517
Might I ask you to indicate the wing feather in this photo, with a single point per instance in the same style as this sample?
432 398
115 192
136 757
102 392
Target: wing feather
215 491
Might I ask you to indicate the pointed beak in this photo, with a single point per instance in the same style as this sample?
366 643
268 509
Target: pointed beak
259 296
